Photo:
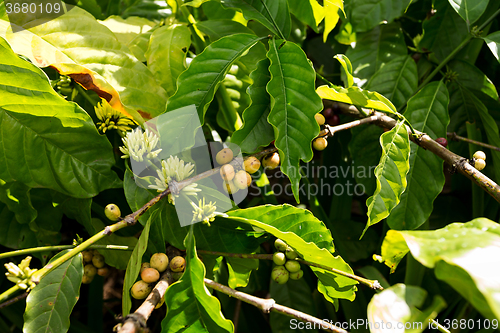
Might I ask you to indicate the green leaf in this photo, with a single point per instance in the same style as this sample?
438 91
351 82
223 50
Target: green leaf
49 137
356 96
493 42
256 131
390 173
194 3
331 13
346 64
408 300
197 85
427 112
397 80
469 10
368 14
116 74
293 106
305 11
473 78
17 197
374 49
190 305
50 303
464 255
13 234
308 237
134 267
166 55
273 14
240 270
216 29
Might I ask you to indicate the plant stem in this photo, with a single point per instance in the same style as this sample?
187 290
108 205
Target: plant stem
456 137
6 294
62 247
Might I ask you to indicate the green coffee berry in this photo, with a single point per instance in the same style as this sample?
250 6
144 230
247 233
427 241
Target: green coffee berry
159 261
292 266
279 258
280 275
145 265
177 264
140 290
290 253
112 212
87 279
87 255
98 261
89 270
297 275
280 245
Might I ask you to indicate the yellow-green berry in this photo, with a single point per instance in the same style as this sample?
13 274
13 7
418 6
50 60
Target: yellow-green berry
150 275
98 261
279 258
145 265
292 266
297 275
224 156
87 255
140 290
280 275
271 161
112 212
242 179
320 144
479 164
89 270
290 253
280 245
320 119
251 164
227 172
177 264
479 155
159 261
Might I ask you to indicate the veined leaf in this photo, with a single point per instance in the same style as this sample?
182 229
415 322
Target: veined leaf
390 173
309 12
473 78
331 9
493 42
465 255
469 10
346 64
374 49
240 270
50 303
190 305
49 137
77 51
273 14
367 14
166 55
293 106
397 80
427 112
17 197
256 130
197 85
356 96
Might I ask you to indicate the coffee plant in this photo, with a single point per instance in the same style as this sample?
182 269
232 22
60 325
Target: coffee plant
254 165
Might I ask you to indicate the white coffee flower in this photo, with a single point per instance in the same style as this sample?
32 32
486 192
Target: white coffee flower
138 144
204 212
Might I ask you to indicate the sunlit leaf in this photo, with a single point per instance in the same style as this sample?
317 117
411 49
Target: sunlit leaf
346 64
240 270
469 10
331 10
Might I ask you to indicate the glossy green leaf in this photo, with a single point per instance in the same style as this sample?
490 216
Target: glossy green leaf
469 10
77 51
367 14
427 112
13 234
273 14
190 305
134 266
49 137
397 80
407 300
346 64
493 42
331 13
166 55
308 237
464 255
472 77
240 270
374 49
197 85
17 197
50 303
293 106
346 35
356 96
390 173
256 131
307 12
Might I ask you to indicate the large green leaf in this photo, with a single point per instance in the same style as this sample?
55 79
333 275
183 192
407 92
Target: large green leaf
367 14
77 50
197 85
13 234
465 255
493 42
166 55
256 130
390 173
472 77
427 112
191 308
49 304
48 137
374 49
397 80
308 237
273 14
469 10
17 197
407 300
293 106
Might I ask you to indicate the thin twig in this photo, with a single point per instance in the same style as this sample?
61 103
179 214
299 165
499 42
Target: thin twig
62 247
456 137
13 300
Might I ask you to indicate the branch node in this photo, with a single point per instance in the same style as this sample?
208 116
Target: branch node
377 286
129 220
268 304
107 230
174 187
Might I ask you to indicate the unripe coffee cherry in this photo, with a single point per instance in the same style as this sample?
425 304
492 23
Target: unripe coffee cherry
89 270
159 261
290 253
177 264
479 155
230 188
242 179
140 290
98 261
320 144
87 255
103 271
479 164
224 156
87 279
292 266
319 118
145 265
279 258
227 172
150 275
442 141
297 275
280 245
271 161
251 164
280 274
112 212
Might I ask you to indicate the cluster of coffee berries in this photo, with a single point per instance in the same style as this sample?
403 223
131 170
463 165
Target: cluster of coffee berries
479 159
234 179
287 266
150 273
320 143
94 264
331 118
